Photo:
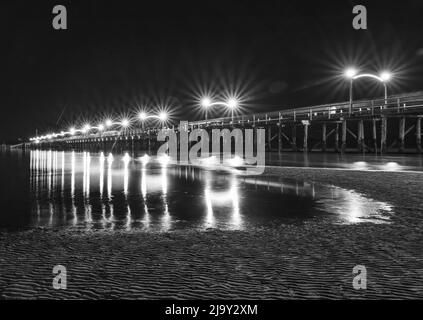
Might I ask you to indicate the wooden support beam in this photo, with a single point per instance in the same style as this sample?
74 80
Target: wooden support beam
360 136
279 138
419 134
286 137
383 135
374 136
344 136
337 138
305 144
324 137
330 133
402 135
269 138
274 137
405 134
352 134
409 130
294 137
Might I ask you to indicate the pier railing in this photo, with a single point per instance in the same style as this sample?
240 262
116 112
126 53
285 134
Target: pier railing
407 104
394 105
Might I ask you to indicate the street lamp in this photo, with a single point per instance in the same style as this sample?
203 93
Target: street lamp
206 103
86 128
385 76
232 104
163 117
142 116
124 123
352 74
109 123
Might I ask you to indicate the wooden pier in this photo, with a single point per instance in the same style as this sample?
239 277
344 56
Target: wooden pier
391 125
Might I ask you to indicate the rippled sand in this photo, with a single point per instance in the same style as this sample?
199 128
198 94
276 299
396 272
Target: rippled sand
311 260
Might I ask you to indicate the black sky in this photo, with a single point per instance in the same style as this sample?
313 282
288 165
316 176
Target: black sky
116 56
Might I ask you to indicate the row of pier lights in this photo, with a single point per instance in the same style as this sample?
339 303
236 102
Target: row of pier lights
107 125
206 103
163 116
353 74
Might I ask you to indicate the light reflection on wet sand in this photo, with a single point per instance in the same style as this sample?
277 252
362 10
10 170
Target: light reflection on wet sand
111 192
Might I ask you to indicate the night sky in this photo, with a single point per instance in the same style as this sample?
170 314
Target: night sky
119 56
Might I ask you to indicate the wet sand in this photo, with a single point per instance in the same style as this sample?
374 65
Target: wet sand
305 260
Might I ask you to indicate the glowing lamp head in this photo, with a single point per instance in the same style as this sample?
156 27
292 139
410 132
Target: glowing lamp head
86 128
72 131
385 76
142 116
205 102
100 127
109 123
351 73
163 116
125 123
232 103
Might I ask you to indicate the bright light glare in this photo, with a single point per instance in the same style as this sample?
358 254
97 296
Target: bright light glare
109 123
142 115
100 127
145 159
86 128
72 131
232 103
164 159
126 158
350 73
391 166
235 161
163 116
125 123
210 161
206 102
385 76
359 165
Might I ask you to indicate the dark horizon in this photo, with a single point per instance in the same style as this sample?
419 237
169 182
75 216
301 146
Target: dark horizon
114 59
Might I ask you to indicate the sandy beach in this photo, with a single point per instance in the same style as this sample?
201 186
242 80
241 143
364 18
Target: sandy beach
305 260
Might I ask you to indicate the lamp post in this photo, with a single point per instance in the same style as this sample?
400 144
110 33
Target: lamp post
231 104
108 123
142 116
385 77
206 103
163 117
125 124
86 129
352 75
